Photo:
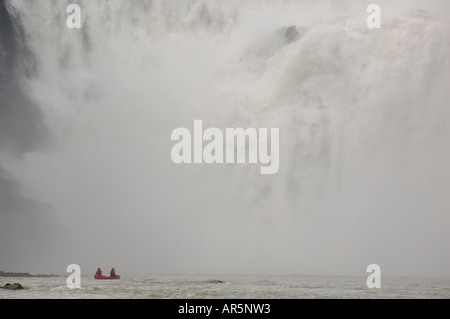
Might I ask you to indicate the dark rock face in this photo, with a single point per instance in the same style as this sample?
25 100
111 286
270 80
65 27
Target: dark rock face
14 286
25 224
291 34
9 191
26 227
21 122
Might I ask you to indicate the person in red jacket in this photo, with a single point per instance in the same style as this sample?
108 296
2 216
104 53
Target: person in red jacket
113 273
99 272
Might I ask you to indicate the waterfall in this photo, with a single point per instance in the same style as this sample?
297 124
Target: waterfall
363 117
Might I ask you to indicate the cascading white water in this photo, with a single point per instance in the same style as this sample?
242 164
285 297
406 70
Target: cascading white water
363 115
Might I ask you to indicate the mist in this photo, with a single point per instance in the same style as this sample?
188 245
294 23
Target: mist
363 116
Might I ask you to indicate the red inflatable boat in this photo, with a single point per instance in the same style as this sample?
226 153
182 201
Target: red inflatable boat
106 278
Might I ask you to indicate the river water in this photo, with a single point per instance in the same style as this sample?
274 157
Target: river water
227 287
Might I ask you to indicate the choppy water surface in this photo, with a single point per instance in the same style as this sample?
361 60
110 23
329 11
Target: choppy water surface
191 287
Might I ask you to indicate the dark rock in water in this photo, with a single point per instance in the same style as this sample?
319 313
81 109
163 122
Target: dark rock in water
291 33
14 286
214 281
280 38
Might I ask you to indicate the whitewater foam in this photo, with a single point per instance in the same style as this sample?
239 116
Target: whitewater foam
364 115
